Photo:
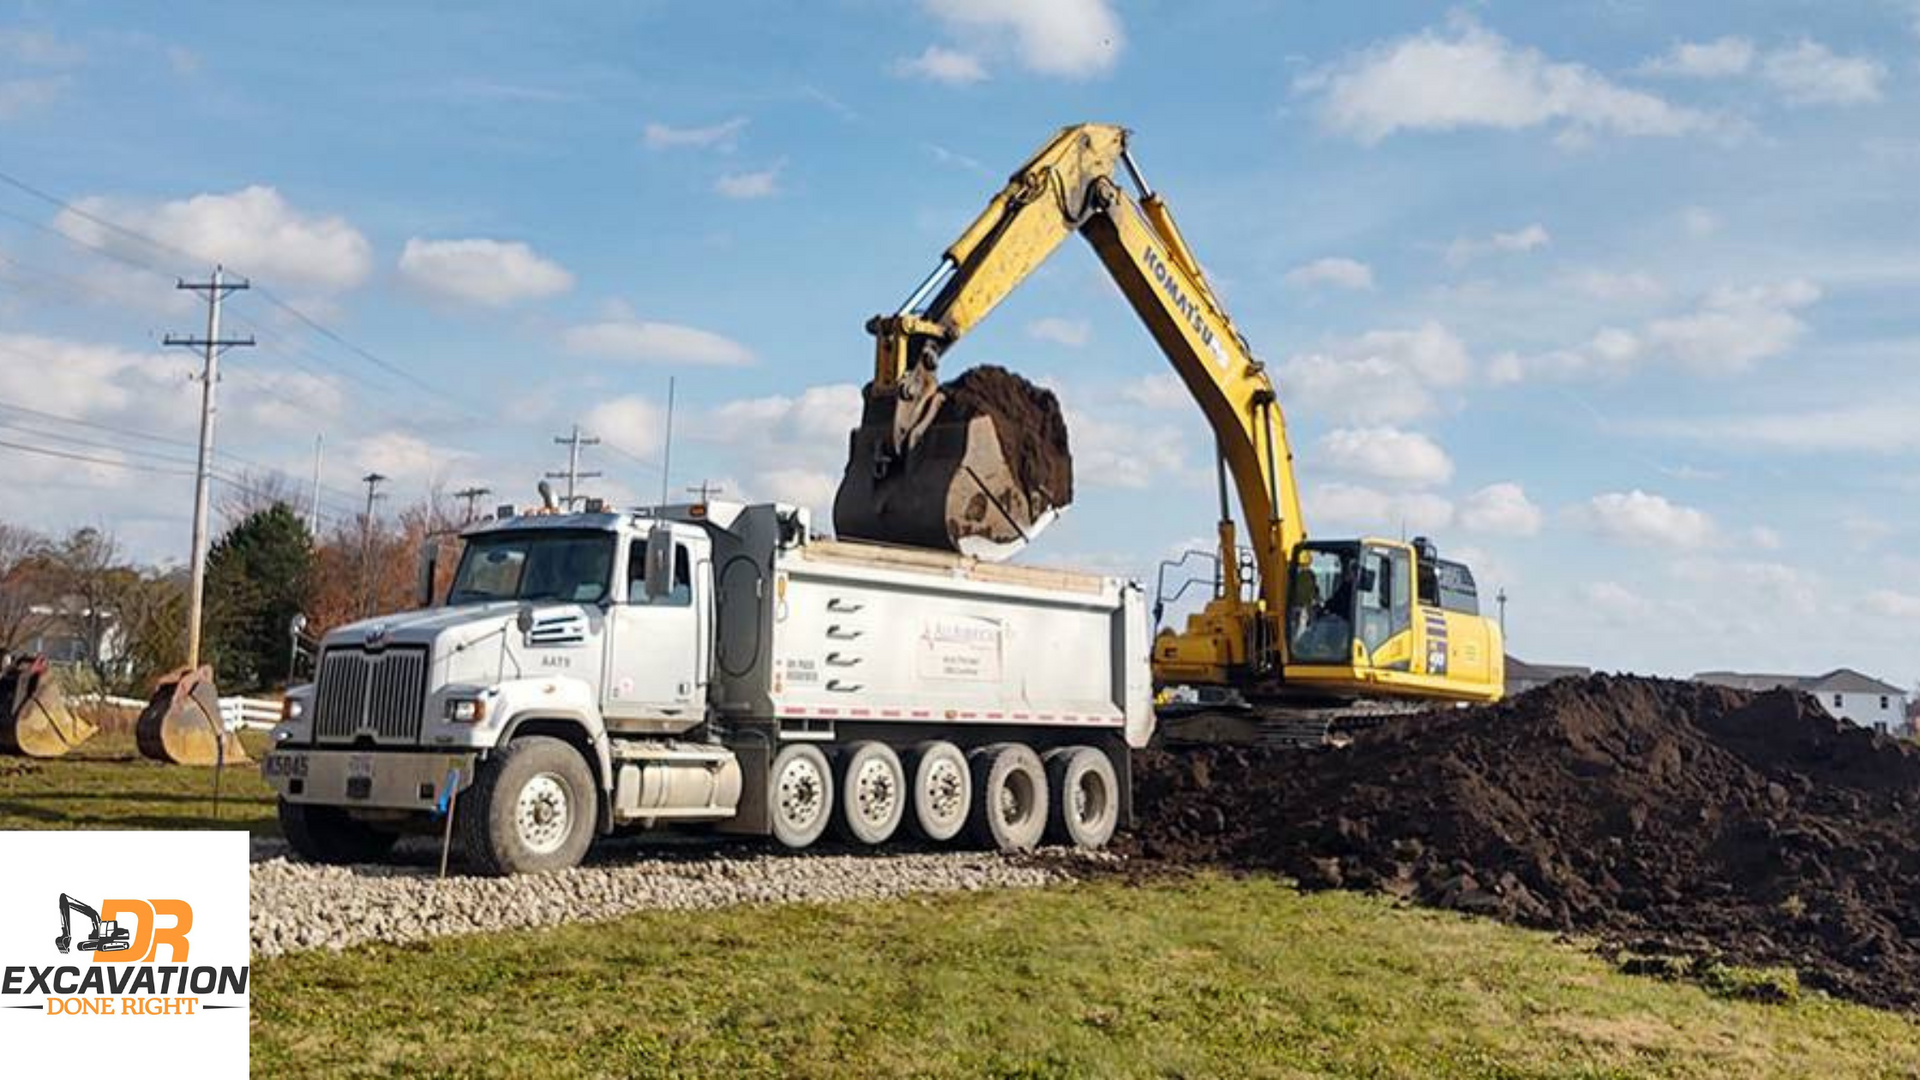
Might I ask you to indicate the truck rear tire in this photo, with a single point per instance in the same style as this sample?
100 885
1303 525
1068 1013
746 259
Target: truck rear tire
1009 797
327 834
1085 795
532 808
799 795
873 793
942 791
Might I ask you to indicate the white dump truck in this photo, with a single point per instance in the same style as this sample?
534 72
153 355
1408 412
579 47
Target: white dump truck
717 665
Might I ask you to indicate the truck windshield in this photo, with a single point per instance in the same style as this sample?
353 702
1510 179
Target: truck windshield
534 565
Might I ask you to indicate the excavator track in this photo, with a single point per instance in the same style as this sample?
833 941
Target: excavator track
1277 724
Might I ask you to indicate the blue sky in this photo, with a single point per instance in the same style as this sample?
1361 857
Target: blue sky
1616 300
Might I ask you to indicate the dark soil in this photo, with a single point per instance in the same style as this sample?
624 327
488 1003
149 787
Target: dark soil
1663 817
1031 429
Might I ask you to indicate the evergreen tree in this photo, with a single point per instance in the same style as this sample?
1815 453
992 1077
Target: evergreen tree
259 576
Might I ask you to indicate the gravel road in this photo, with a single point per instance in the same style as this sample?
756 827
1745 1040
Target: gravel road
299 906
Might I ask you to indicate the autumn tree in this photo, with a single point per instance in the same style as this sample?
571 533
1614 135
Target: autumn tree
23 587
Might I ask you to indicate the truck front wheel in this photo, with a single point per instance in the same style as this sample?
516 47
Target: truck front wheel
326 834
531 808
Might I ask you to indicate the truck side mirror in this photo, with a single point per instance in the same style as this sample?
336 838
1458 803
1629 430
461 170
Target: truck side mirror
429 563
659 562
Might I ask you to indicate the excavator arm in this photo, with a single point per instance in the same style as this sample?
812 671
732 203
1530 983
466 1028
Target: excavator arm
1070 187
925 473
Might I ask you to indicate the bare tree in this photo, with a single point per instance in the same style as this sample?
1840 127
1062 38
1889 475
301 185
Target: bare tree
86 578
253 491
22 586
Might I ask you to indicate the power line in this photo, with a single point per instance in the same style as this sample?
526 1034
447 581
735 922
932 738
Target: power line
572 475
91 460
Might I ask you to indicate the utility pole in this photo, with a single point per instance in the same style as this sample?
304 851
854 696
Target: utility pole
573 475
313 509
472 495
215 290
373 480
707 490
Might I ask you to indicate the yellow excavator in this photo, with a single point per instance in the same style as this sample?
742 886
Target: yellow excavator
1307 623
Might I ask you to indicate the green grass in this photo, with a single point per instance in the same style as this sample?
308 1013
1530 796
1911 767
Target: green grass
1208 977
106 784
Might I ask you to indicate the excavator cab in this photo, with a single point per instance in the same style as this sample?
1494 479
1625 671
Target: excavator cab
1369 617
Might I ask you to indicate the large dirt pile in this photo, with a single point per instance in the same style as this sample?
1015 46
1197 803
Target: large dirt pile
1031 428
1661 816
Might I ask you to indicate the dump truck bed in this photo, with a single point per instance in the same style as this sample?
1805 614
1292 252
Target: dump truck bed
867 632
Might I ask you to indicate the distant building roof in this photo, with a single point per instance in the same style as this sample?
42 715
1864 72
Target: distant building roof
1519 670
1837 681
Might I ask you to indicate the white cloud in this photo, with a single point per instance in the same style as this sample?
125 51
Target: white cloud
1502 509
1471 77
1073 333
1161 391
1072 39
253 231
1387 453
1892 604
1115 453
1714 59
1764 538
1610 352
1635 517
1381 377
1809 73
1699 221
759 184
1465 249
1773 587
1882 427
21 96
722 136
1616 601
1365 509
623 336
405 458
79 379
1735 327
631 424
1611 286
942 65
1338 271
481 271
792 447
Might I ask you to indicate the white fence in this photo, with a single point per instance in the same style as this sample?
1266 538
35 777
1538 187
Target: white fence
237 713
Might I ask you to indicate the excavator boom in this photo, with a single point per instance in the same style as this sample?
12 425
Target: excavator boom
929 469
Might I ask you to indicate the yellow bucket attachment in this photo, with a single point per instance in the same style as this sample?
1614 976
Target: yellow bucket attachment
35 719
181 723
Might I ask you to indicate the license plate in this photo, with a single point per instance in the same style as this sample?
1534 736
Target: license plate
359 766
293 765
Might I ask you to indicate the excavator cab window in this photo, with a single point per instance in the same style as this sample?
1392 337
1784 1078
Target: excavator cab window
1327 587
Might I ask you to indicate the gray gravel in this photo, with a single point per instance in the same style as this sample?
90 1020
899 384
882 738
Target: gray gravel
299 906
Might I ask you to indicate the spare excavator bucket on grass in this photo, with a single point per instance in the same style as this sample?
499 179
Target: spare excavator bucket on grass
181 723
35 719
988 473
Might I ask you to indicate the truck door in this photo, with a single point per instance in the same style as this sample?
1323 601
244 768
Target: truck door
655 653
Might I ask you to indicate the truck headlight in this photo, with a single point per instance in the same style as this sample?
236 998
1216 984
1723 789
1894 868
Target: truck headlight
292 709
466 710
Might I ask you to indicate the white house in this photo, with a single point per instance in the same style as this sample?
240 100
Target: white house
1843 692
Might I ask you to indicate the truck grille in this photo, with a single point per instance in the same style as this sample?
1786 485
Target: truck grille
383 694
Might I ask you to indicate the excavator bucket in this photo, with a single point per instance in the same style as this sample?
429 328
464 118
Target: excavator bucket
181 723
35 719
984 477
